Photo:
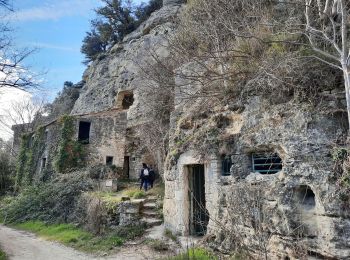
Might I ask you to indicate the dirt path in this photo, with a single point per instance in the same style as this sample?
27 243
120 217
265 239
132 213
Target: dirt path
21 245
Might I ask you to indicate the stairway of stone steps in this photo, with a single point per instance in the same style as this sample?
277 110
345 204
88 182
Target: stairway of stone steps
149 212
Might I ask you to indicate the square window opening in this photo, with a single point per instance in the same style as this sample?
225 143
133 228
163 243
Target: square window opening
109 160
266 163
226 163
84 132
43 163
128 100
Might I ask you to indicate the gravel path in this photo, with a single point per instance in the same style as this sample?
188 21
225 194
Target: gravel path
22 245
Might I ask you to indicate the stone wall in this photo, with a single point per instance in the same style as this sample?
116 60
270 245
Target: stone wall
107 137
303 135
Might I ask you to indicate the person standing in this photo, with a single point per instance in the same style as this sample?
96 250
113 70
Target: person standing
144 177
152 176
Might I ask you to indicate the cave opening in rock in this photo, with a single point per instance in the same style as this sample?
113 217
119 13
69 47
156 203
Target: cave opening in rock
306 197
128 100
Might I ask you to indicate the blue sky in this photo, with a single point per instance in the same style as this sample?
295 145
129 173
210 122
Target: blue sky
56 28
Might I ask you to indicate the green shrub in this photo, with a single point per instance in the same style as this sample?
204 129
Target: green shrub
53 201
339 154
7 173
2 255
135 193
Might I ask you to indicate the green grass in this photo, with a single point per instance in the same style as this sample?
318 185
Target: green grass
2 255
158 245
72 236
195 254
134 193
170 235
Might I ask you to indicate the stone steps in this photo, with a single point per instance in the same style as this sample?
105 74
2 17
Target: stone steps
151 222
150 206
150 213
151 199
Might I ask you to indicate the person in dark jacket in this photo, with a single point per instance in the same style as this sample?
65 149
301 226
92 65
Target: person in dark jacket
152 176
144 177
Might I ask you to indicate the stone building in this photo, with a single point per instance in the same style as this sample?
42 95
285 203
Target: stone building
270 184
111 105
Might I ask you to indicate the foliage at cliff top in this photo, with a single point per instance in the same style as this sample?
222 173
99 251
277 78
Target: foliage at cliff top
115 19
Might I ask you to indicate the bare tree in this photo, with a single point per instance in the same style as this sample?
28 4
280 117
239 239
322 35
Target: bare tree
327 29
13 74
27 113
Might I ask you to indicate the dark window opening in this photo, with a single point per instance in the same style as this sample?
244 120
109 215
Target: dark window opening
126 166
199 215
226 164
109 160
43 163
128 100
84 132
266 163
306 197
31 141
46 134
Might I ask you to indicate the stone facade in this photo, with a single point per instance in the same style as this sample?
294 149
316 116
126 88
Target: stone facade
303 136
294 209
99 100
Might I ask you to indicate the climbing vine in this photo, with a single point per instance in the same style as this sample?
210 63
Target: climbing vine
32 146
70 152
21 162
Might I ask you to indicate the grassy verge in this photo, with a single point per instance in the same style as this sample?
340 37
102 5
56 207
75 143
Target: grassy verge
2 255
195 254
72 236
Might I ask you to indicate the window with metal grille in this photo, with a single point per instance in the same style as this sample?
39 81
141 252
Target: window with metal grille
266 163
226 164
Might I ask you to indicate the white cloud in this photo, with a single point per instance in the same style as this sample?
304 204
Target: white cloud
53 46
54 10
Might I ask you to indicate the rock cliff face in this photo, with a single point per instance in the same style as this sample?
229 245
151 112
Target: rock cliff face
120 69
268 181
293 212
117 78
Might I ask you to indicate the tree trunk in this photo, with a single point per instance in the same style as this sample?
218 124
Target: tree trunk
346 72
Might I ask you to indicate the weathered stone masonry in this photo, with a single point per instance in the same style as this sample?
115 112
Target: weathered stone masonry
300 195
